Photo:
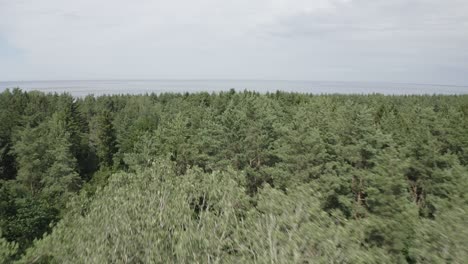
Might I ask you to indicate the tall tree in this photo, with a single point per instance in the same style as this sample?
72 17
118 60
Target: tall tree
104 138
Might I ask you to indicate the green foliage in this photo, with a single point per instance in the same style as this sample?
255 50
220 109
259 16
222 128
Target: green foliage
443 239
46 164
7 250
151 216
103 138
233 177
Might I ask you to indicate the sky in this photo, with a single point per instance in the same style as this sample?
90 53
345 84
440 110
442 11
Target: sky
407 41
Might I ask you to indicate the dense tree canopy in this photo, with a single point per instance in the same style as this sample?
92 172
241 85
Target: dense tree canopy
233 177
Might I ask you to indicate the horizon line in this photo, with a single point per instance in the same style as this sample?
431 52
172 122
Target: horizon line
229 79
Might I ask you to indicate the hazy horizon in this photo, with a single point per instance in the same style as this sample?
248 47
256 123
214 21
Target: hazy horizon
100 87
227 79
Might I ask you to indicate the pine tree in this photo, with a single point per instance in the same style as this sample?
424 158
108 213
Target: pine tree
61 177
300 152
104 139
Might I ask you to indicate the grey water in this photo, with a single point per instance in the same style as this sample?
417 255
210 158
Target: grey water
81 88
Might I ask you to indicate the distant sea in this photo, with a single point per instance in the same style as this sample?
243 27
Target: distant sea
100 87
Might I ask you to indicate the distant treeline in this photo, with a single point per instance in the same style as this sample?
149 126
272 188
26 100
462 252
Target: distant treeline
233 177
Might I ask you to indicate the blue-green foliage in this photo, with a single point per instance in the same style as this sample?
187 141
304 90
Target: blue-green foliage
233 178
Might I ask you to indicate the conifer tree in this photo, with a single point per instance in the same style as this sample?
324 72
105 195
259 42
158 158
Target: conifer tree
104 139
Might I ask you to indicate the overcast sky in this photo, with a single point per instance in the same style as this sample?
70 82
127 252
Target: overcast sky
419 41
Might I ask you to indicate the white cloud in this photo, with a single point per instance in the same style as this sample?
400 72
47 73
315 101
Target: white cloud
376 40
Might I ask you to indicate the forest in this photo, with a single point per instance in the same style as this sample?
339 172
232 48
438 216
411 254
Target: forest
233 177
